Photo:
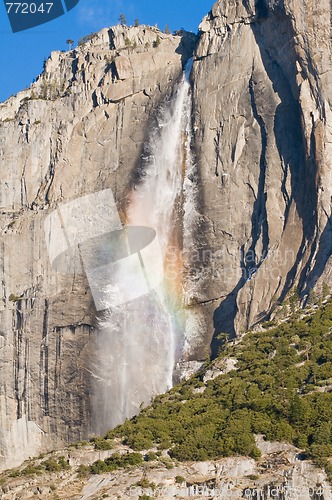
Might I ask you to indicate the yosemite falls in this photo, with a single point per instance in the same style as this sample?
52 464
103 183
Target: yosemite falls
237 164
138 343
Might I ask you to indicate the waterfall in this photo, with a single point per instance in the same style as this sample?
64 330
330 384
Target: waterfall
138 343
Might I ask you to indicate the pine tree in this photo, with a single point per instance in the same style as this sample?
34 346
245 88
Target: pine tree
157 42
70 43
123 20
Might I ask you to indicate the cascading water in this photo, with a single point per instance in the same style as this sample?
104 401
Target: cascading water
138 343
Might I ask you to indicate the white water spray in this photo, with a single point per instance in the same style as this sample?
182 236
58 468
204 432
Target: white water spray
138 342
153 201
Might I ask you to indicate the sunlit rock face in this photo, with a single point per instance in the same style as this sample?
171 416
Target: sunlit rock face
251 216
80 129
262 122
280 473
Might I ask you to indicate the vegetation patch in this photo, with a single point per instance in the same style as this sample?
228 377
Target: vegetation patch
49 465
280 389
14 298
102 443
114 462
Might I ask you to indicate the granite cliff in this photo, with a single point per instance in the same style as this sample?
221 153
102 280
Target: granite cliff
262 121
261 173
80 128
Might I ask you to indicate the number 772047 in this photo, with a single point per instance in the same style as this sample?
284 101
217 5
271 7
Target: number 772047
28 8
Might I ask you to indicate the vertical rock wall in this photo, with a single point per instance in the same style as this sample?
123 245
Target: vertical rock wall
262 121
79 129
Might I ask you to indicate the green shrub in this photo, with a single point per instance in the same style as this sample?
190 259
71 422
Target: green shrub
157 42
51 465
255 453
145 483
102 443
81 444
14 298
31 470
272 392
252 477
83 470
15 473
151 456
99 467
114 462
139 441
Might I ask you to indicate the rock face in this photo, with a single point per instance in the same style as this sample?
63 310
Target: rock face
279 474
79 129
261 180
262 121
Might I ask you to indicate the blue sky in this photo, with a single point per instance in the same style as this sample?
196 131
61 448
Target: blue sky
22 54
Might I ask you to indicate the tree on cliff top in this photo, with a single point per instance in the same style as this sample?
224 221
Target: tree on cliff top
123 20
70 43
